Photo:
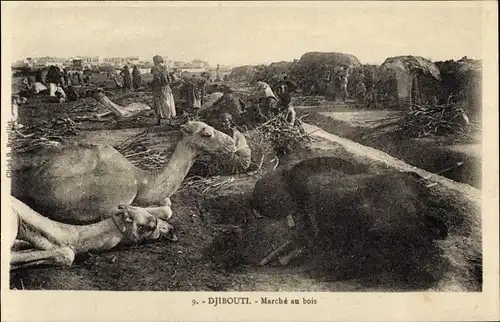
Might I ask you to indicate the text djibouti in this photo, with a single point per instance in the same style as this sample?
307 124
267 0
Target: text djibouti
228 300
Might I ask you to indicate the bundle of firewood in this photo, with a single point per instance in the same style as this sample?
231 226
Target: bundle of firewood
43 134
136 150
423 121
283 134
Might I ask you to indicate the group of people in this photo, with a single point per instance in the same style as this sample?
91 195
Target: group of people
336 85
228 111
131 80
58 82
337 81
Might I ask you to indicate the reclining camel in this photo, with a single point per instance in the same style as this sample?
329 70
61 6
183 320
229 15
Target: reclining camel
122 112
55 243
85 183
355 222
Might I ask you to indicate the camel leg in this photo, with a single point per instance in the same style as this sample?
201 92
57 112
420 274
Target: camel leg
63 256
285 260
104 114
163 212
21 245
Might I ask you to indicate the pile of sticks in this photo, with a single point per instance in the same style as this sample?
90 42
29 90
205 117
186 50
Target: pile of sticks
43 134
283 134
204 185
424 121
135 149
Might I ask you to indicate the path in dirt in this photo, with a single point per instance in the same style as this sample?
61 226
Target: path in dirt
433 154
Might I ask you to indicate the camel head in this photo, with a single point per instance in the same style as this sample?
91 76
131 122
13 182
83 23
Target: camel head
207 139
140 225
96 93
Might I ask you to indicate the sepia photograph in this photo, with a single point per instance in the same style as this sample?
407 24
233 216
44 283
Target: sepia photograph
227 147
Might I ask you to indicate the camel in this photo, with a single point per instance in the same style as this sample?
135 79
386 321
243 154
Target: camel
121 112
55 243
354 221
85 183
34 88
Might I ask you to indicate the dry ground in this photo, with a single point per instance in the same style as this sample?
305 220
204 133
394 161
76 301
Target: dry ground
190 264
433 154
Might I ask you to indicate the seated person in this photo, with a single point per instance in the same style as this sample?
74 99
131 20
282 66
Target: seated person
284 104
265 102
240 160
227 103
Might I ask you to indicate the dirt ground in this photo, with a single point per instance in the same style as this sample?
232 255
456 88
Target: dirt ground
433 154
189 264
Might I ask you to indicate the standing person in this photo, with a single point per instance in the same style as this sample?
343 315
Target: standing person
127 80
67 80
361 91
79 77
344 80
192 93
38 77
54 80
202 89
87 73
285 104
136 78
62 81
331 80
162 94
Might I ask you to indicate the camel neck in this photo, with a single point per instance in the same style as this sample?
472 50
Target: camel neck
163 184
103 235
44 233
107 103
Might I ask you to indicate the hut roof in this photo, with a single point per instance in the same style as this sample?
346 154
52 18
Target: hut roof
409 64
333 59
461 67
242 71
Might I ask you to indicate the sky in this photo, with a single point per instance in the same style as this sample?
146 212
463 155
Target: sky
240 33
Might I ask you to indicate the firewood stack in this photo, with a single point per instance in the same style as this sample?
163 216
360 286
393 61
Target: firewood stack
424 121
429 120
135 149
44 134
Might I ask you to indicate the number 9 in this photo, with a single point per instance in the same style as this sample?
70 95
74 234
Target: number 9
194 302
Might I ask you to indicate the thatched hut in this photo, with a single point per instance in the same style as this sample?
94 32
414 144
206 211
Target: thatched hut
242 73
311 71
461 82
404 76
272 73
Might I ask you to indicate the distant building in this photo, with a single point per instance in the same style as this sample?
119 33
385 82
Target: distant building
47 61
197 63
77 63
93 61
121 61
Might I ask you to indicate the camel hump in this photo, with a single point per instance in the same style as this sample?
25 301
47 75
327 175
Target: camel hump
325 164
80 158
312 174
